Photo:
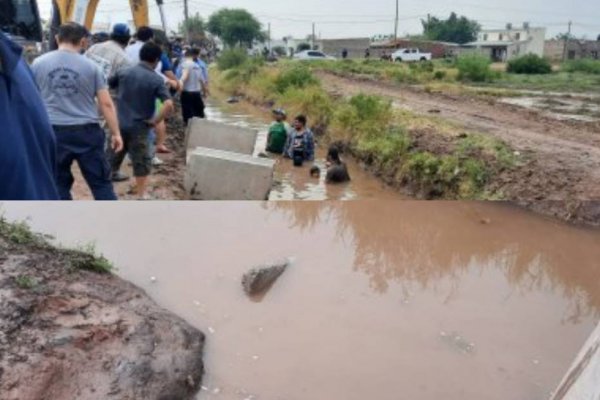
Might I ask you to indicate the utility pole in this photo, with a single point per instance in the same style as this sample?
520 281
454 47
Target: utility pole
186 18
163 19
566 44
269 38
396 21
313 37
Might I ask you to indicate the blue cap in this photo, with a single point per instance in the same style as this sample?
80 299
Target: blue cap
121 30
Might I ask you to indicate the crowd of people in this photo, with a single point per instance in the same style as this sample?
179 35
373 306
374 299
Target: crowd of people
297 142
63 108
101 104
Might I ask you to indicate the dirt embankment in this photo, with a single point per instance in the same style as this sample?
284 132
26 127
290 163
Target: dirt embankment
559 168
70 333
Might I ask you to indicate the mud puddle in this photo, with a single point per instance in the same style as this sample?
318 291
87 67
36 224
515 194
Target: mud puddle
293 183
561 108
385 300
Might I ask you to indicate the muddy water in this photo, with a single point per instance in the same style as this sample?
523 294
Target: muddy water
295 183
385 300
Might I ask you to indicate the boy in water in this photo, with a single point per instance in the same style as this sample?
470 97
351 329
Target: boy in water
278 132
300 145
337 172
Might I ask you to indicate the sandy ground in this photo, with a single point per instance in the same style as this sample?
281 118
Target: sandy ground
562 158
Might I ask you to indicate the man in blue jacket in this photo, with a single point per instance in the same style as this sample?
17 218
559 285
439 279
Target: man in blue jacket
27 143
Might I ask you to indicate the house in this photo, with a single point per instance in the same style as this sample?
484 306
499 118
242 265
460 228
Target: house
556 49
503 44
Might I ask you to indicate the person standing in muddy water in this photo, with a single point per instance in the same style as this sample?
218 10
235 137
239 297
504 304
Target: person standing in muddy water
193 87
278 132
300 145
337 171
138 88
70 84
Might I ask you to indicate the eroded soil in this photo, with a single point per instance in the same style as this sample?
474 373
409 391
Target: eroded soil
68 333
560 160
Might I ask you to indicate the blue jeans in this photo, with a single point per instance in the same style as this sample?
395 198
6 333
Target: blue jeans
84 144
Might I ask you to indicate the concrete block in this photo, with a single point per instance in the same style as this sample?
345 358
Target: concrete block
215 135
222 175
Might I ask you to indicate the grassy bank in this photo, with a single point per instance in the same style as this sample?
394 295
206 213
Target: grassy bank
580 76
19 234
429 157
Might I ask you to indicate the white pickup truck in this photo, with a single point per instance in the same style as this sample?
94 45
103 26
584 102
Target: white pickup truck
410 55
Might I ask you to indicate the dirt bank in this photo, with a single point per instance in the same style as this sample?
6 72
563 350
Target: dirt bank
559 170
70 331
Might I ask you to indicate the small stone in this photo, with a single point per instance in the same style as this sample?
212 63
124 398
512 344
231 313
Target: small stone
211 329
153 279
258 280
255 358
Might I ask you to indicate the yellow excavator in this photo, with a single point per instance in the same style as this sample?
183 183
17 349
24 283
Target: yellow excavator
21 18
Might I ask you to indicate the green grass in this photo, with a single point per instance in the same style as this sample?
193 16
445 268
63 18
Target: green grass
585 66
555 82
375 132
25 282
576 76
20 233
87 258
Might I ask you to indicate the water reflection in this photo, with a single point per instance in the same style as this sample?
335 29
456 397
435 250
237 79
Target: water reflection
419 244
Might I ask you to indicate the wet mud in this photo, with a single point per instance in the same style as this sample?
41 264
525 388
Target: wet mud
461 301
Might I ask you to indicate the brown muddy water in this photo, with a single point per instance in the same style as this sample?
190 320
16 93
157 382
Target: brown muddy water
293 183
384 300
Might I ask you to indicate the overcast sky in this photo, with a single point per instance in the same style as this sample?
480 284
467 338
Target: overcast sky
362 18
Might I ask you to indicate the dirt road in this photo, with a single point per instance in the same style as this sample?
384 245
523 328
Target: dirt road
561 159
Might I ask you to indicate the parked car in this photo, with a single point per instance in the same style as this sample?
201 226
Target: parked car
410 55
312 55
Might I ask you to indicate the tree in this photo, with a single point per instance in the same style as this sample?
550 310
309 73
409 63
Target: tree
235 27
303 47
194 27
565 36
280 51
455 29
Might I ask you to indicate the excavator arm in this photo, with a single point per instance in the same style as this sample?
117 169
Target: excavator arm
84 11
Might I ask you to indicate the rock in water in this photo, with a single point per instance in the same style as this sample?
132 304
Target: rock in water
258 280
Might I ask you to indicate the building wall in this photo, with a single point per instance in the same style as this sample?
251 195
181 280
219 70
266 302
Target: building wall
437 49
576 49
537 39
356 47
502 35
